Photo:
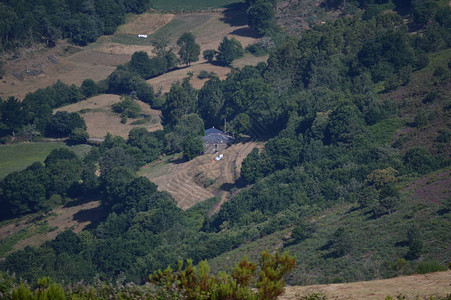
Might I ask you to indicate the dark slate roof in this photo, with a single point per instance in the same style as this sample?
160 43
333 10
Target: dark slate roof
212 130
214 135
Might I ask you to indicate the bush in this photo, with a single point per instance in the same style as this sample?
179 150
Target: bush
192 147
205 74
63 124
209 55
431 96
429 267
127 108
229 50
256 50
419 160
302 231
341 242
444 136
89 88
79 136
439 72
421 119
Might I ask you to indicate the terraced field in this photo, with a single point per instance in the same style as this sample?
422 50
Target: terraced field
203 177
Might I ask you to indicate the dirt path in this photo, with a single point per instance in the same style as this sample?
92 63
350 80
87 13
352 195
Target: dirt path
413 287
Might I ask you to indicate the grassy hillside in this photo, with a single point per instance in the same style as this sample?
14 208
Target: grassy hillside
376 245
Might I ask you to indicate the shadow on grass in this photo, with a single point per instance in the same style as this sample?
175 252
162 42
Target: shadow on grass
94 216
83 200
246 32
176 161
235 14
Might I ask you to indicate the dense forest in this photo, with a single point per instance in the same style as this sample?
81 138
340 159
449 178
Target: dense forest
320 103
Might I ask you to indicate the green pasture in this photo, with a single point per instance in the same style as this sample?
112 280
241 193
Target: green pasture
181 5
181 24
17 157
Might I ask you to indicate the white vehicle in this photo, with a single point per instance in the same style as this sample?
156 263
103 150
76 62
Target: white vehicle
219 157
143 36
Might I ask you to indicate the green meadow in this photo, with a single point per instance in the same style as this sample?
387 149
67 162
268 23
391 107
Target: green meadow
17 157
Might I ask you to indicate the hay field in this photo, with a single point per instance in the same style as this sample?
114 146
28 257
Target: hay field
187 181
412 287
100 119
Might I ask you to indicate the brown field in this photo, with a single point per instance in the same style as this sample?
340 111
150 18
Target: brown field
70 68
412 287
146 23
75 217
101 119
186 181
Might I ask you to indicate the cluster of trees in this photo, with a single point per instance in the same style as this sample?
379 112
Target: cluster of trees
82 22
35 113
40 187
131 77
228 51
187 282
260 15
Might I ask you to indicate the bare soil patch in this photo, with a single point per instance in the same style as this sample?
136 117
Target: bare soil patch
181 179
412 287
100 119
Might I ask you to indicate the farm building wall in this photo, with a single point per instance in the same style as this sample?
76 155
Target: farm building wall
211 148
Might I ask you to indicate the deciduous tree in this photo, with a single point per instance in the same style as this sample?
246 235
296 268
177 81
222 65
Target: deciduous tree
189 51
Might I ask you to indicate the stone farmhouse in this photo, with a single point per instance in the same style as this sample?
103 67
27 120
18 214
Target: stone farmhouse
216 140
